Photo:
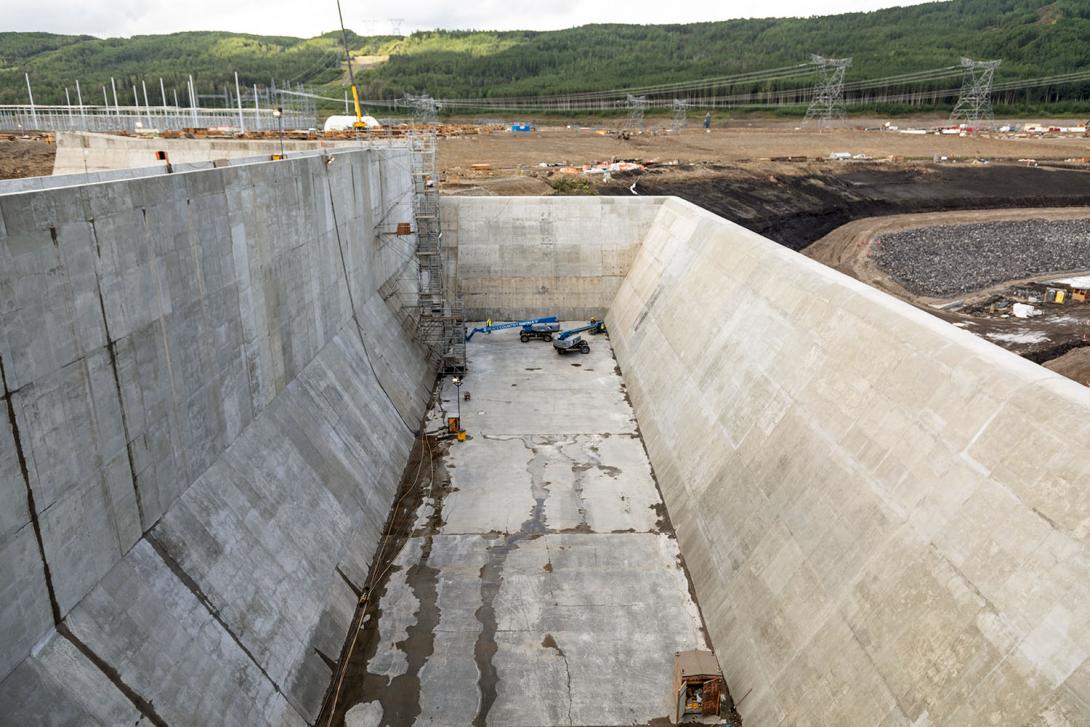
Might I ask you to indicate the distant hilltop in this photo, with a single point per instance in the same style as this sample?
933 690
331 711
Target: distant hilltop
1034 39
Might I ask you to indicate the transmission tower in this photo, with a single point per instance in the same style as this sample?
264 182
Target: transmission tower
425 109
974 106
395 25
636 105
681 114
827 104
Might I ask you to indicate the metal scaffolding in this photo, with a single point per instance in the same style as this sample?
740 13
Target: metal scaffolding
245 108
133 118
974 106
827 103
440 322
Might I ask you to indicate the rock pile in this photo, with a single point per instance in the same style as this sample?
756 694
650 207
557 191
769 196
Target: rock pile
949 260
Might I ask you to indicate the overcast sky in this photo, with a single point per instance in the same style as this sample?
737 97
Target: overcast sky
306 18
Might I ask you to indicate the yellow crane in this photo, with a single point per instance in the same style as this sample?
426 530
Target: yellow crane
359 122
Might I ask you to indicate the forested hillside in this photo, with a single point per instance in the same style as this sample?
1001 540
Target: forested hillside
1033 37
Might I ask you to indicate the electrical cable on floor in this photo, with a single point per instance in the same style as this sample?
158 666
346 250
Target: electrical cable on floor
365 596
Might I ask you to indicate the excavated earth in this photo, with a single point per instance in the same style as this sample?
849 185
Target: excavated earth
796 203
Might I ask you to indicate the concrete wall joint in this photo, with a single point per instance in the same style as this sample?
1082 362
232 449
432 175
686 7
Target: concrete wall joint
192 586
142 704
32 508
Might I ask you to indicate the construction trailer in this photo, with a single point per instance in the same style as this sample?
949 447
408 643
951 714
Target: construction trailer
699 688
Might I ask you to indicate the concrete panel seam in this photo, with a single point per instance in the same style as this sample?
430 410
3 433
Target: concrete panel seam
32 509
193 587
143 705
111 350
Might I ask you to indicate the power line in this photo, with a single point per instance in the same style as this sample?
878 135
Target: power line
425 108
623 93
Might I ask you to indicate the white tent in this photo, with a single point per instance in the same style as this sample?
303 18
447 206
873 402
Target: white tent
344 123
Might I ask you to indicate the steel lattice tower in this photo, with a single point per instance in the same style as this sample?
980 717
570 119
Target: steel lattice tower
681 114
425 109
827 104
974 106
636 105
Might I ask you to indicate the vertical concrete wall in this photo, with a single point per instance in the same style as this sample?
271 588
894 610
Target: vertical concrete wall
209 406
887 519
520 257
83 152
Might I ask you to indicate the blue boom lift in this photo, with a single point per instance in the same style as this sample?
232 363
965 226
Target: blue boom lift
489 326
569 342
542 331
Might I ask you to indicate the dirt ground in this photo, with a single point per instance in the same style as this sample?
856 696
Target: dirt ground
796 203
507 152
25 157
1074 364
513 155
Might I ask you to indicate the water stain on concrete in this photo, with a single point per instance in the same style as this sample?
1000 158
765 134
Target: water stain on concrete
491 575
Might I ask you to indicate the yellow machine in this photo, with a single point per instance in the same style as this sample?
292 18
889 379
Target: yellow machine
358 123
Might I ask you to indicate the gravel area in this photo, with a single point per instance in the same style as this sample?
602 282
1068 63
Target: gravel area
948 260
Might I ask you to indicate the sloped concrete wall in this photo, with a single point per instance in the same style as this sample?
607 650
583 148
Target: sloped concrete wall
209 406
522 257
887 519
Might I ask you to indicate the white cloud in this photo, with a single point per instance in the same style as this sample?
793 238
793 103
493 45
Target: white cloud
297 18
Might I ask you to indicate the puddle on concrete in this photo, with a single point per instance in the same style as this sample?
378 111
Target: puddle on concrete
485 649
424 485
467 620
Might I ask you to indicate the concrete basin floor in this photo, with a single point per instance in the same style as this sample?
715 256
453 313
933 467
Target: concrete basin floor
551 590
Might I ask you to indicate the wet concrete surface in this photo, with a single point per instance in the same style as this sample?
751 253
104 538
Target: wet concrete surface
541 586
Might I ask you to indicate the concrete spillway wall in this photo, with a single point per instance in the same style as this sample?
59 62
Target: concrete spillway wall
83 152
209 406
520 257
886 519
